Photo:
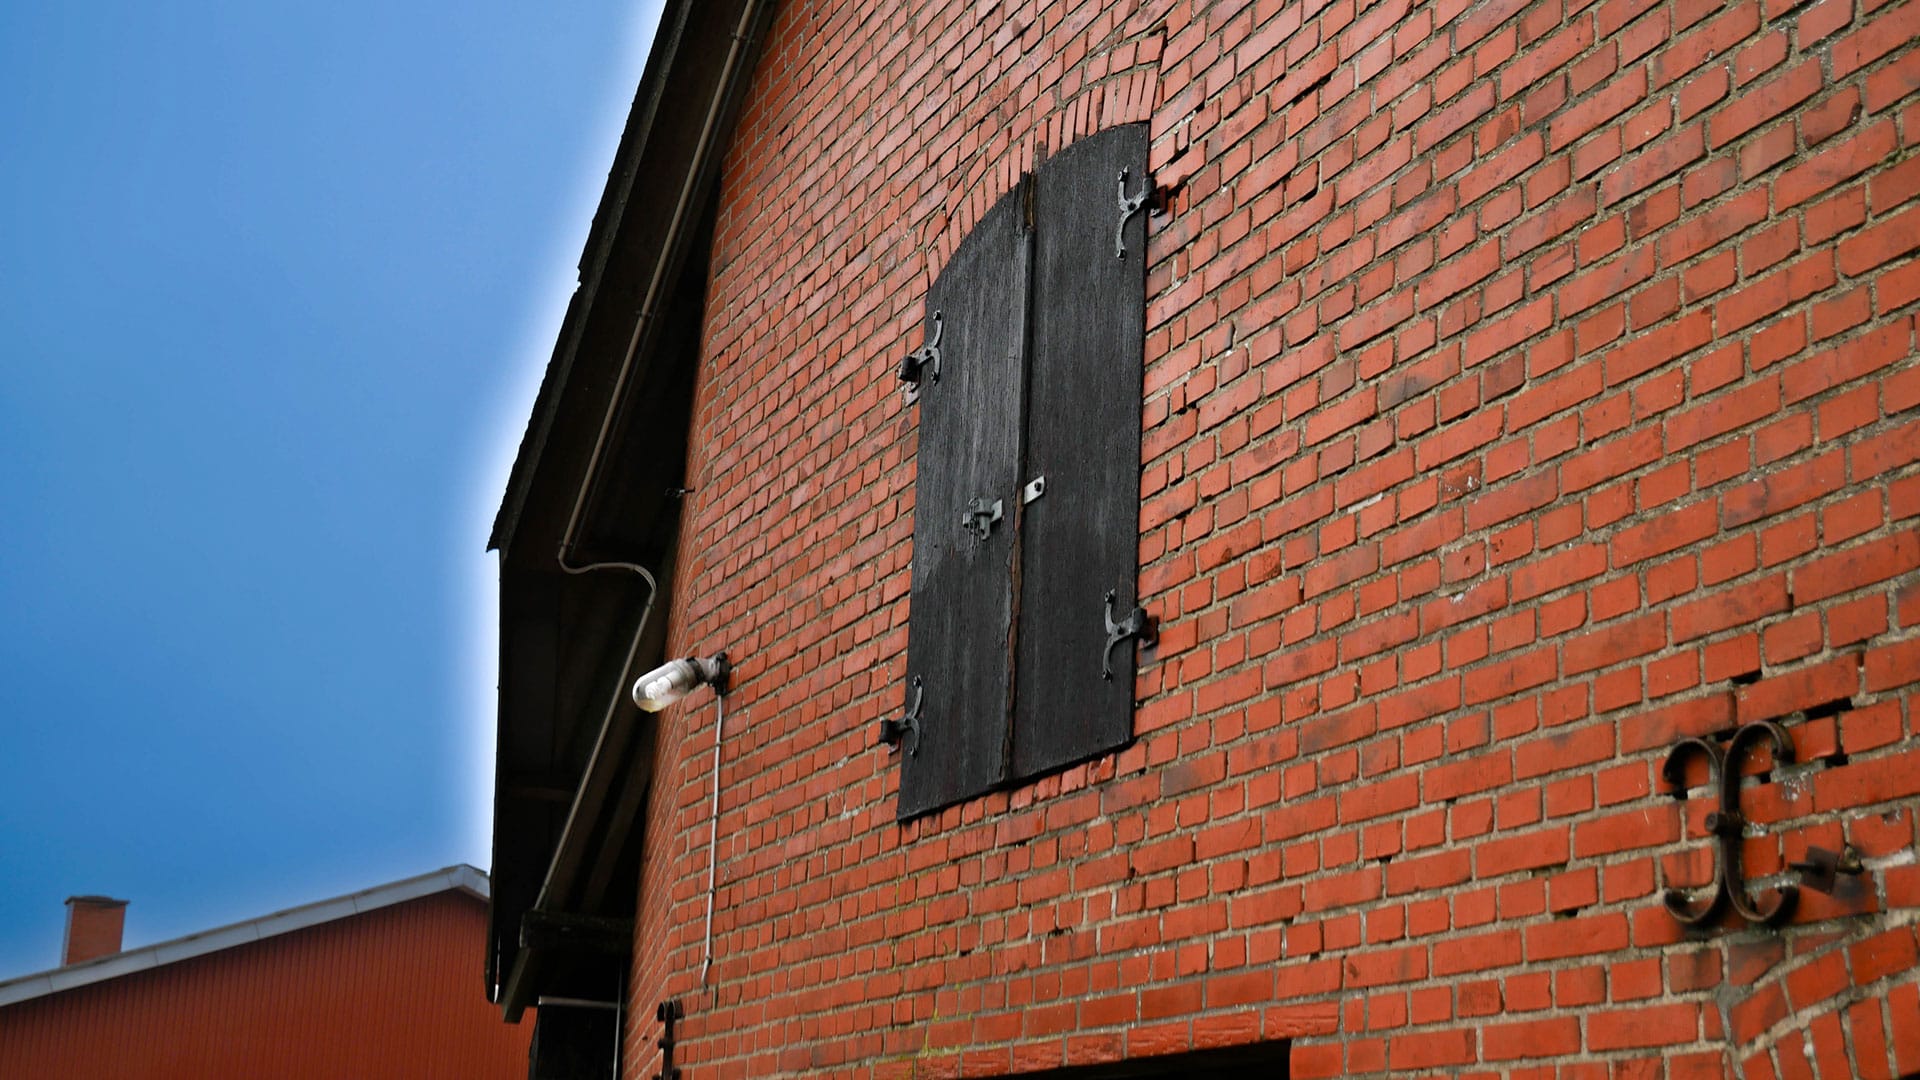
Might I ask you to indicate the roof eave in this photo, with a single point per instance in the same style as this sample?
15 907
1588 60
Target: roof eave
601 234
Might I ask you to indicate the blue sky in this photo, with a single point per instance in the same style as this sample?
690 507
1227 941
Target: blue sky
276 285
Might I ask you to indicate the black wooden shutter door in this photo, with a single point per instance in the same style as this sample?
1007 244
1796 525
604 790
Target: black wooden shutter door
959 641
1080 538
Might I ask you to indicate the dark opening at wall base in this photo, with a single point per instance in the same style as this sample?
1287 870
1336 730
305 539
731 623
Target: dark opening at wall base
574 1042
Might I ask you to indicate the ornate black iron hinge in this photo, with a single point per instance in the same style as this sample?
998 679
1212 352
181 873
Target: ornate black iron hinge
668 1014
905 732
923 361
1129 206
1138 625
1727 826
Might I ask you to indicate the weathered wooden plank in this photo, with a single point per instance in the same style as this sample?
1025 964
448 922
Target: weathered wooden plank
962 605
1081 538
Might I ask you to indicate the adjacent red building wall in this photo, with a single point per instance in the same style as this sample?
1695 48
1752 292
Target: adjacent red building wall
395 992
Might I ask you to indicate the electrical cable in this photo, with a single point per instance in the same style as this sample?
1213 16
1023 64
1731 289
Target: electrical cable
713 830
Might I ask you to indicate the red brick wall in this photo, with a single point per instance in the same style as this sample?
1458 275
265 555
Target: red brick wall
1529 385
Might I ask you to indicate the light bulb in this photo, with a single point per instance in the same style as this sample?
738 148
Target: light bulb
674 679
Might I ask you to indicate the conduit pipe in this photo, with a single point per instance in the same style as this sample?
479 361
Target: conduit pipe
703 148
606 721
713 831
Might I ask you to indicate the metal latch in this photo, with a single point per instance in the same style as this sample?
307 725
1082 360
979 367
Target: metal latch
1821 868
980 516
1138 625
922 360
905 732
668 1012
1035 488
1128 208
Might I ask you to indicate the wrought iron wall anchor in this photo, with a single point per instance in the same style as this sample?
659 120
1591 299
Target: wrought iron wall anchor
923 360
668 1013
905 732
980 516
1728 826
1128 208
1136 625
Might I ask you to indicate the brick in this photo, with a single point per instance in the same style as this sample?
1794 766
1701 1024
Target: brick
1874 40
1507 677
1876 780
1527 851
1775 292
1893 666
1625 1029
1764 102
1865 1020
1783 490
1744 604
1530 1039
1816 981
1716 36
1871 456
1856 359
1668 532
1641 828
1820 172
1886 953
1760 1010
1586 936
1856 567
1478 952
1428 872
1564 749
1903 1003
1610 102
1834 680
1880 243
1662 159
1614 643
1431 1049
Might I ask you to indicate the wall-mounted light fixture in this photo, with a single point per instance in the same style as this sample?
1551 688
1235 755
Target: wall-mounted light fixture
675 679
660 688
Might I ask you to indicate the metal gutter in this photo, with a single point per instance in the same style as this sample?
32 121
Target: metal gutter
601 235
457 878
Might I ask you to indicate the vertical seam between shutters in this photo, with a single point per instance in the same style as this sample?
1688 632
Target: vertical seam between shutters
1028 182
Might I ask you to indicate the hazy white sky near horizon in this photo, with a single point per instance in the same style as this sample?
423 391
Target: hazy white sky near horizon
278 285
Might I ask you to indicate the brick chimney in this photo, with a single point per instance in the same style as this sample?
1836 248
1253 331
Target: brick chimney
93 928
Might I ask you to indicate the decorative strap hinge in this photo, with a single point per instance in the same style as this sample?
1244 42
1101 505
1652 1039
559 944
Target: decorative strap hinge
1129 206
1137 625
923 361
905 732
